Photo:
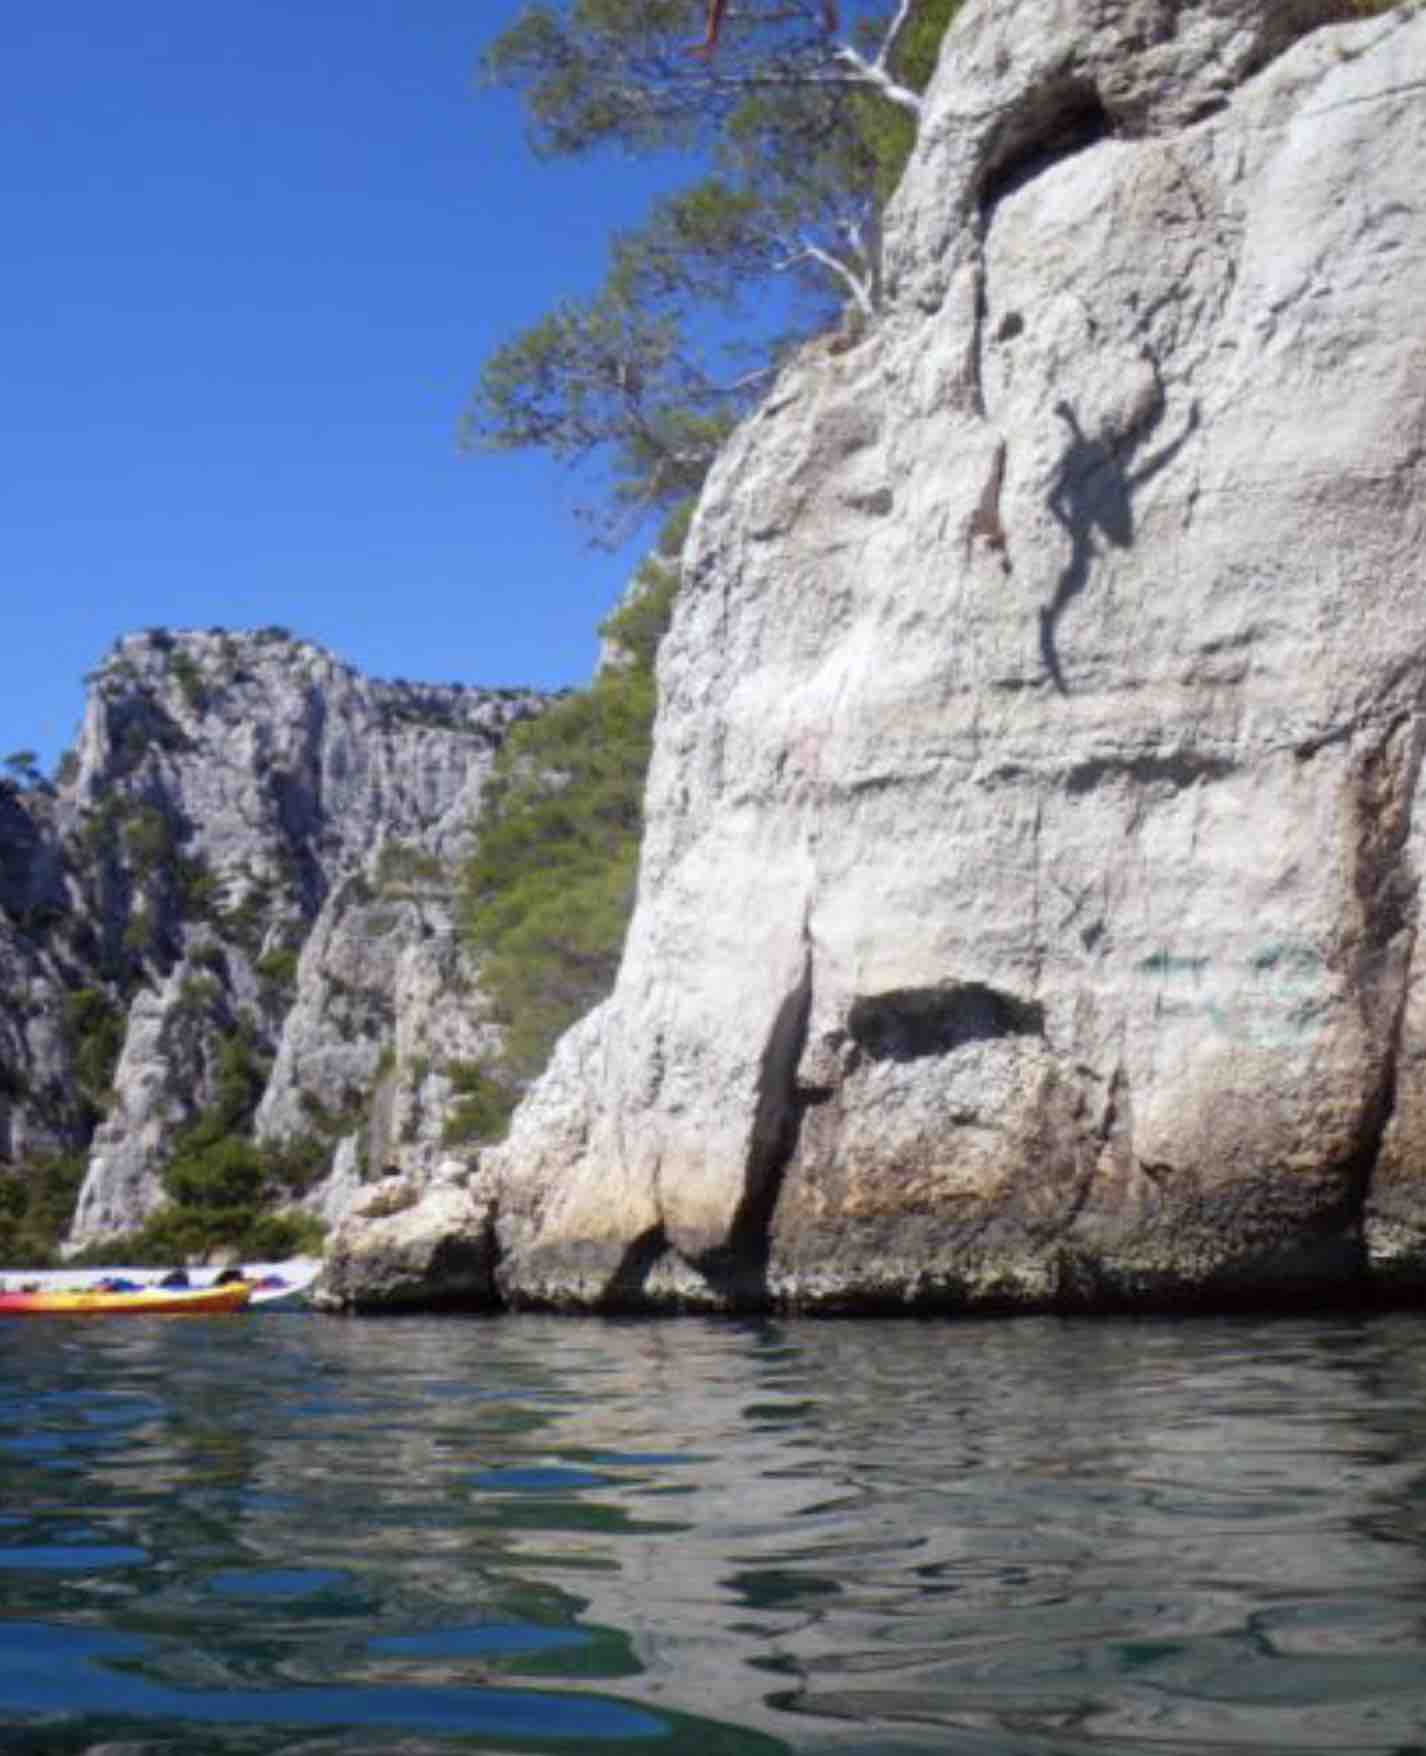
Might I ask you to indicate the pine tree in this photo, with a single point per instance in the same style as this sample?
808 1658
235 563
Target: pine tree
805 129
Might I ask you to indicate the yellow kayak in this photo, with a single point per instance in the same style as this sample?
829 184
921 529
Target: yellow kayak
144 1301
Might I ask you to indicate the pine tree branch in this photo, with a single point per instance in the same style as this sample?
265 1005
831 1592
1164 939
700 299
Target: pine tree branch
861 290
873 74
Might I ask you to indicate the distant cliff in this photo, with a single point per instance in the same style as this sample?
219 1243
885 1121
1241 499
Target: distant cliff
1028 912
231 921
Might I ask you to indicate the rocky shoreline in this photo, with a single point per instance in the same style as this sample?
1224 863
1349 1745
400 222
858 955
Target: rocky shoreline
404 1251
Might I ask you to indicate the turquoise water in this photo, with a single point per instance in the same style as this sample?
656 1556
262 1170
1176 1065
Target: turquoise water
301 1535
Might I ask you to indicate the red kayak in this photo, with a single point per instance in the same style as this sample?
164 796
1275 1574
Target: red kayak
140 1302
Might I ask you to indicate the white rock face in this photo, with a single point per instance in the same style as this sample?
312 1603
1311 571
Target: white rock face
38 1114
161 1059
1028 905
386 1003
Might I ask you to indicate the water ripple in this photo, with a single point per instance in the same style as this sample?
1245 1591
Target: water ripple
299 1537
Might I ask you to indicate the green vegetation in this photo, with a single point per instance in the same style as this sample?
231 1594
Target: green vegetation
207 1174
483 1105
402 866
24 765
197 886
93 1027
295 1164
96 837
210 956
221 1185
199 993
149 726
807 133
141 934
239 1074
214 1171
246 921
333 1123
185 672
278 967
148 838
36 1206
175 1234
889 130
547 894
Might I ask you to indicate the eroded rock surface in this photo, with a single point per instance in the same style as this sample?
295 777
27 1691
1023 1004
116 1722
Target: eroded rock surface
411 1244
1029 898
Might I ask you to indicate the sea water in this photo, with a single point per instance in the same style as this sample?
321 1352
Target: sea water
288 1533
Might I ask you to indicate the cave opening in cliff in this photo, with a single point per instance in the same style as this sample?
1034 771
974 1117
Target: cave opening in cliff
1048 128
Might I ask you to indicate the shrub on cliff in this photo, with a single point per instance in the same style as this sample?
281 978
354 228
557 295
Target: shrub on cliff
36 1205
224 1173
178 1234
93 1027
546 895
221 1185
223 1188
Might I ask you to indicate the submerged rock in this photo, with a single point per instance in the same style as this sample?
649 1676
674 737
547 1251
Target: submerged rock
1028 903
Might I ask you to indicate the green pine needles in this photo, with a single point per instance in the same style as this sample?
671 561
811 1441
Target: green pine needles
798 134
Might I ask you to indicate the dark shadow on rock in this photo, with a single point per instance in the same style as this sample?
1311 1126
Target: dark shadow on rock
1094 491
738 1270
624 1290
1052 126
910 1023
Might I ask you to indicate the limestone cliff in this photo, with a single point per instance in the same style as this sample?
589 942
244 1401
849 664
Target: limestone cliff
1029 900
243 881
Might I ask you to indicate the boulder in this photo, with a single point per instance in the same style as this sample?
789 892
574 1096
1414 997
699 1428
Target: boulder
408 1247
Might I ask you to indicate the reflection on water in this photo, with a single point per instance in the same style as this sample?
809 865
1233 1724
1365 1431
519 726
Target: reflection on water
296 1535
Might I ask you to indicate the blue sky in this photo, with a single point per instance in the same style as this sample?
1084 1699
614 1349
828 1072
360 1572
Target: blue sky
253 259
